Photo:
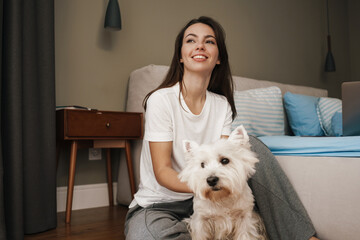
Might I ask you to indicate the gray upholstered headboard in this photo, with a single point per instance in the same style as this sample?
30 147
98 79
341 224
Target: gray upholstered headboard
147 78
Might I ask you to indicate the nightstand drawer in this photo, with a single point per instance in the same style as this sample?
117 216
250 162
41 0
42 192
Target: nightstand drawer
102 124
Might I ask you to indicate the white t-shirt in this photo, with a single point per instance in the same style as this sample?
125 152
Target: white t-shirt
168 120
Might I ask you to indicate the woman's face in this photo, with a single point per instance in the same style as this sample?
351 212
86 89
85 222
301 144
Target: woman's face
199 52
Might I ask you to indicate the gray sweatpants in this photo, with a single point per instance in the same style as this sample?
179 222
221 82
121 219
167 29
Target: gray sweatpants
284 216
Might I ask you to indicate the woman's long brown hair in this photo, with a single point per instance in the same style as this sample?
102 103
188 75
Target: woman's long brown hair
221 81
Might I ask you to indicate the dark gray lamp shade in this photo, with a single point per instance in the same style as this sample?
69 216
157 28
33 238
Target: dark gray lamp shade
113 17
330 63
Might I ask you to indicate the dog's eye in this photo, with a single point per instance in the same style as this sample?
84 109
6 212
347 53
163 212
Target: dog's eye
224 161
202 164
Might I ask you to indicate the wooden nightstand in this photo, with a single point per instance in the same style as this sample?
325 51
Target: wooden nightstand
97 129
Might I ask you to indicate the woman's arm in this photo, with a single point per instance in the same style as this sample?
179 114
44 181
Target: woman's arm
164 173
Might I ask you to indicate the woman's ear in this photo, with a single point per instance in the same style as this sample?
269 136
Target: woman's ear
181 60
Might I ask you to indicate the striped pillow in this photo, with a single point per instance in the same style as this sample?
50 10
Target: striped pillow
326 109
260 111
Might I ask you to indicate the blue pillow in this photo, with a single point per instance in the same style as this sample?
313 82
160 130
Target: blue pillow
302 114
260 111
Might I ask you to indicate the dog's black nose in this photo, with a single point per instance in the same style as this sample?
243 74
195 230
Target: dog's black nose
212 180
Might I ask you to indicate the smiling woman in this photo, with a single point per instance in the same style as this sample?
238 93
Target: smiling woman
195 102
196 95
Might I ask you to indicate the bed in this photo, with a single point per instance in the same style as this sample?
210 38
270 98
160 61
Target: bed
325 171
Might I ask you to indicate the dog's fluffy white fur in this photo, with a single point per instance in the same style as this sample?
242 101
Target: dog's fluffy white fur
223 202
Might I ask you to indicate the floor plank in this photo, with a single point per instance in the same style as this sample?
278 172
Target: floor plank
90 224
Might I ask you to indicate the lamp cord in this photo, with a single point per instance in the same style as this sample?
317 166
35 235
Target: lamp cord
327 11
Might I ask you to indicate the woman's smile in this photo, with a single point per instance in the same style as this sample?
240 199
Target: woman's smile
199 57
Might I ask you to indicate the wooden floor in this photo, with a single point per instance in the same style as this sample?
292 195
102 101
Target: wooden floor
90 224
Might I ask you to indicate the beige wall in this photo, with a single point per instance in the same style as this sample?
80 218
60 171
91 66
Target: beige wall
276 40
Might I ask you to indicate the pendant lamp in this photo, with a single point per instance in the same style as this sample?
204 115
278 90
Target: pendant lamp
113 17
329 62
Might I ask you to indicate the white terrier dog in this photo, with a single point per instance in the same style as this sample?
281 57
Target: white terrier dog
223 202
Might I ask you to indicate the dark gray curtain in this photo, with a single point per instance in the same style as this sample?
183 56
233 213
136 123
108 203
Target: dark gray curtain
27 118
2 219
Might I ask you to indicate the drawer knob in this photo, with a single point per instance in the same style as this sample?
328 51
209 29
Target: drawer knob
107 125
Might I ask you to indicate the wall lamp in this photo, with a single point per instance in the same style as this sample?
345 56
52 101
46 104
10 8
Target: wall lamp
113 17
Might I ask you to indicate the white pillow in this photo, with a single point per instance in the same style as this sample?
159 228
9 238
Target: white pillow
326 109
260 110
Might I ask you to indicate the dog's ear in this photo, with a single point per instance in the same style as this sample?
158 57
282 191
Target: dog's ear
189 145
239 134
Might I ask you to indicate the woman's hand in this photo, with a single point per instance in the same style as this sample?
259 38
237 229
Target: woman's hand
164 173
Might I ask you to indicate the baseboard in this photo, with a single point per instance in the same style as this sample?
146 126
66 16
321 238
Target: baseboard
86 196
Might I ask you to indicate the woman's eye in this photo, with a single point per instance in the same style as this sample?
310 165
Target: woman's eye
190 41
224 161
210 41
202 164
